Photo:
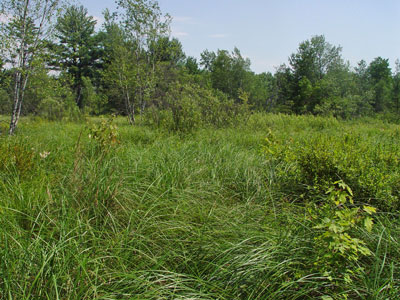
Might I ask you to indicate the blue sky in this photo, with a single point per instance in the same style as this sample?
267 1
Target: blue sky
268 31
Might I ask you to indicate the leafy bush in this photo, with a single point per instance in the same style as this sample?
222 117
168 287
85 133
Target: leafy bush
336 247
5 102
53 109
345 108
93 102
188 106
105 134
308 161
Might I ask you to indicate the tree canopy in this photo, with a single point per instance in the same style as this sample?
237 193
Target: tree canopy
131 65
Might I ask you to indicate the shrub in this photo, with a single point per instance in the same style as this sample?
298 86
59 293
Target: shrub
345 108
189 106
5 102
53 109
307 162
105 134
337 248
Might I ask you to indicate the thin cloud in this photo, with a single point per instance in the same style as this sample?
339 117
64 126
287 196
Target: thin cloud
179 34
218 36
181 23
183 19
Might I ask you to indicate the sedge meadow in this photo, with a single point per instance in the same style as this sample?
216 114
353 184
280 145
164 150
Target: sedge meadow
101 209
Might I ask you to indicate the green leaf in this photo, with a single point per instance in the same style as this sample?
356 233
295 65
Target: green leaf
368 222
333 228
369 209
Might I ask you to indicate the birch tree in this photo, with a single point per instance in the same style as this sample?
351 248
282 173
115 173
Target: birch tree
28 24
140 23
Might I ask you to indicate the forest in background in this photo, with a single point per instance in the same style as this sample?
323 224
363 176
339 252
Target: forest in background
56 65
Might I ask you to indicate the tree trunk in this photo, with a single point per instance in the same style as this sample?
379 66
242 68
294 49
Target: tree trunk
19 91
20 82
130 107
16 107
27 35
79 100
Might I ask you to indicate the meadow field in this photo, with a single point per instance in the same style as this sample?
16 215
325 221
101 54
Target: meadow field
276 207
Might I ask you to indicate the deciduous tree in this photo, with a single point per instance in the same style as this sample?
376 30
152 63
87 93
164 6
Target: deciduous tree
137 25
380 79
22 39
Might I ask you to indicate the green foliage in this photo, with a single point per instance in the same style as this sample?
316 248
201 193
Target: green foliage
105 134
23 42
54 109
4 127
170 216
187 107
5 102
229 72
182 111
138 43
337 249
51 109
94 102
316 72
345 108
78 49
192 65
17 157
55 101
320 151
262 91
318 81
315 58
164 49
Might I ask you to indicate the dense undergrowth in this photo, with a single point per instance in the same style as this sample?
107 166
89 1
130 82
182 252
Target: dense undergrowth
95 211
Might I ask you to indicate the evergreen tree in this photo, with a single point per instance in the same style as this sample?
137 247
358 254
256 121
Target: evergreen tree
78 51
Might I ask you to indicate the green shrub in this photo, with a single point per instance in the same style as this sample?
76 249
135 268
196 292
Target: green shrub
53 109
345 108
179 112
189 106
105 134
336 247
5 102
93 102
308 161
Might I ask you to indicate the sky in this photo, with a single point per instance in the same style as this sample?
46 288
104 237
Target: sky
269 31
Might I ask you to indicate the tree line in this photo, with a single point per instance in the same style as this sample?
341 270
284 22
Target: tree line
55 64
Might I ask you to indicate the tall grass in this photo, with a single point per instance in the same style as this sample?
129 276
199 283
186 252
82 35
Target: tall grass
164 216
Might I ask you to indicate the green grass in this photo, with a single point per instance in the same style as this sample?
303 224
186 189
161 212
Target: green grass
207 215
